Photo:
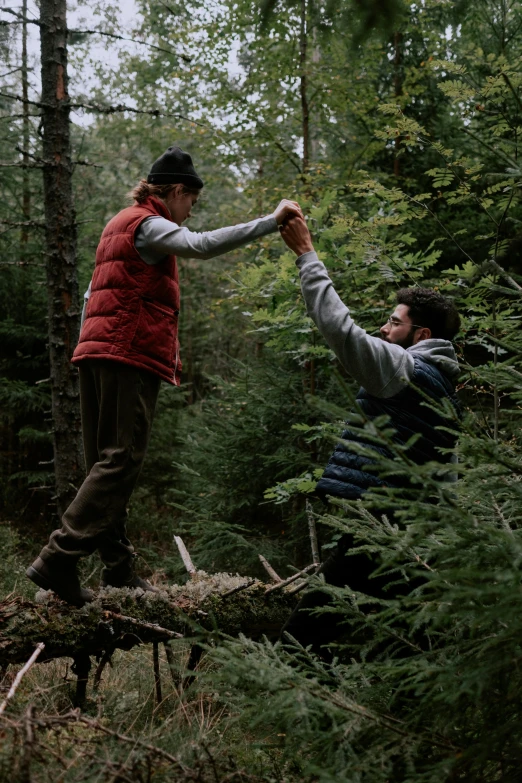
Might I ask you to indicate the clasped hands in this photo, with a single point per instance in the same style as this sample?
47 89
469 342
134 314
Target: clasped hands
292 226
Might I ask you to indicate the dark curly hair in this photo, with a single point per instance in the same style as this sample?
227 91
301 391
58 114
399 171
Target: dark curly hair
430 309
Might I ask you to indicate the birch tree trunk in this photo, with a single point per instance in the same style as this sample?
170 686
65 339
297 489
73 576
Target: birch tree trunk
62 281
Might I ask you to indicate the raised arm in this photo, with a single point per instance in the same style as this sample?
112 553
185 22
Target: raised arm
382 368
158 237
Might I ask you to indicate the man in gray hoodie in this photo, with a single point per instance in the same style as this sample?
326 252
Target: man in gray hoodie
411 362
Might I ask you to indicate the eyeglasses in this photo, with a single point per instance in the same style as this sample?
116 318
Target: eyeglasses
395 322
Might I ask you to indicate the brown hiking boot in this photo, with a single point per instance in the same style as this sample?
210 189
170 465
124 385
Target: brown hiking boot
61 578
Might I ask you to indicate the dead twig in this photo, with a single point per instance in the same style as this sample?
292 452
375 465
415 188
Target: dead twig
22 223
298 588
313 532
145 626
239 588
108 109
274 576
19 677
183 57
292 578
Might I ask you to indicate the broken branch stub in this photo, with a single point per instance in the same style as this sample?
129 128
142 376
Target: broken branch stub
274 576
187 562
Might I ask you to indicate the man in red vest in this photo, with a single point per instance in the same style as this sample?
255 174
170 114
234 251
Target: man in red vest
128 344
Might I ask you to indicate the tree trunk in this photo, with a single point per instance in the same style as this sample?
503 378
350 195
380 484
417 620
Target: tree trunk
303 63
26 191
397 83
62 281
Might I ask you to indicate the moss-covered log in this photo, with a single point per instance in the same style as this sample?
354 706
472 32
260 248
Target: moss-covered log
122 618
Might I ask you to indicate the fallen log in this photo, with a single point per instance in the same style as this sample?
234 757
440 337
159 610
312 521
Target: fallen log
123 618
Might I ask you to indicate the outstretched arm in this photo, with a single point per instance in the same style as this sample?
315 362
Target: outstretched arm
382 368
158 237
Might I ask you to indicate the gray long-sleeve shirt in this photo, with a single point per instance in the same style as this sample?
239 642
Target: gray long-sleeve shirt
384 369
157 237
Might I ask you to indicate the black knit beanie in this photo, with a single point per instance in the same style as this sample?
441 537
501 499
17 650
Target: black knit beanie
172 167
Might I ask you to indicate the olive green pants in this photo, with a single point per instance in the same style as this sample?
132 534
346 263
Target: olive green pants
117 409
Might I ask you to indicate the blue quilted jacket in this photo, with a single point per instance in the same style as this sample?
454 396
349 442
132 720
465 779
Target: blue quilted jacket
345 475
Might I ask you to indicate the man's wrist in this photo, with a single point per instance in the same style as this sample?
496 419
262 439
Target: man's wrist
301 250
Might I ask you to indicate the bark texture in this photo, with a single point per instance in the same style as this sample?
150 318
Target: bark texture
62 280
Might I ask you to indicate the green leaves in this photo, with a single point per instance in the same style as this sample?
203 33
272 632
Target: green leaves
441 177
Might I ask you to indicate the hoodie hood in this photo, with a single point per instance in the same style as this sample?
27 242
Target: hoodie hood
439 352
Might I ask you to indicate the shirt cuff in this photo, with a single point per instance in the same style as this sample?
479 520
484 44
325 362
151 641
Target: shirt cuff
311 255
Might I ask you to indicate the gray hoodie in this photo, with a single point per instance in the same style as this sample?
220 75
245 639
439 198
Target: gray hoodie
382 368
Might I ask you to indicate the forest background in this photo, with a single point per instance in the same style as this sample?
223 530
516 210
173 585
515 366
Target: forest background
397 128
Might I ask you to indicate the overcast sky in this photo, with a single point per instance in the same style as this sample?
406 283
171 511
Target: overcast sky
79 16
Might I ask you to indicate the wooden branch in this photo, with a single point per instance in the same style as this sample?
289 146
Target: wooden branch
121 107
187 562
19 677
298 587
238 589
21 165
22 223
292 578
18 116
313 532
109 109
152 627
23 100
20 17
274 576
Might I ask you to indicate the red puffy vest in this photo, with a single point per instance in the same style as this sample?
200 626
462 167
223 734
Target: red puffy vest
132 312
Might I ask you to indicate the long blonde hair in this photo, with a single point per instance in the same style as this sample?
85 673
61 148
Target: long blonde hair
143 190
